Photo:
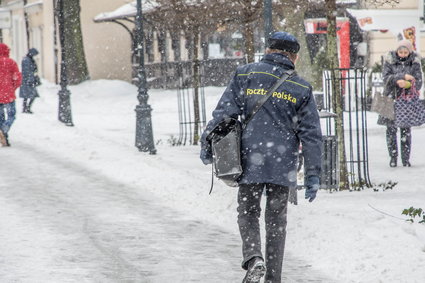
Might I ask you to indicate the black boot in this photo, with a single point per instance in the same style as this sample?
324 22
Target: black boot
29 105
25 106
406 141
6 136
256 270
393 161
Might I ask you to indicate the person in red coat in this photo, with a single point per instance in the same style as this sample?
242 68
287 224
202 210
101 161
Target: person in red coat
10 80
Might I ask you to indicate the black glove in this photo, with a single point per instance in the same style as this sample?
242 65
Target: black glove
37 81
312 185
206 153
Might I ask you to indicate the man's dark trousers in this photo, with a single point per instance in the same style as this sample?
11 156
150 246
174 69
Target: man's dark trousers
249 210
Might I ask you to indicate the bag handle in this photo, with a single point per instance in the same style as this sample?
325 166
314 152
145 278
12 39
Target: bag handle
264 99
413 92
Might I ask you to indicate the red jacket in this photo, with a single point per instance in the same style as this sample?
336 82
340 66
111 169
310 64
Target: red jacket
10 77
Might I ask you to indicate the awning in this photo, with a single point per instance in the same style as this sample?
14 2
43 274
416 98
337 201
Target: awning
33 8
125 11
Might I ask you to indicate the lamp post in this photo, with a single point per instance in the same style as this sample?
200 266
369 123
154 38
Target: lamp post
65 115
144 134
268 23
422 11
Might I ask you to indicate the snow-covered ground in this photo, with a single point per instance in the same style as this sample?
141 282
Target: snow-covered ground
356 236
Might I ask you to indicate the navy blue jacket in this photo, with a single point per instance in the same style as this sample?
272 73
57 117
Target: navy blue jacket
271 140
30 79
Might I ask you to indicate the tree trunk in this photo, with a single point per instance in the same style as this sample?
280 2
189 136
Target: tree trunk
249 42
294 23
196 85
77 70
332 55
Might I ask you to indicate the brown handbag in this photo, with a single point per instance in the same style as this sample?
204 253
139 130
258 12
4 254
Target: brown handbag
383 105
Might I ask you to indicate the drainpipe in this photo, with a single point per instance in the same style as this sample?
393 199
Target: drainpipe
27 25
55 42
1 31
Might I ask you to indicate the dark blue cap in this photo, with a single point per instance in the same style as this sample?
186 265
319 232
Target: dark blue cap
283 41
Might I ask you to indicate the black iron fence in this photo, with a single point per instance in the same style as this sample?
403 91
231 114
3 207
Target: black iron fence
186 112
215 72
179 76
352 86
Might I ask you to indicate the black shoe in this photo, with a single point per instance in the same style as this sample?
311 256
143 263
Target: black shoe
393 162
256 270
27 110
406 164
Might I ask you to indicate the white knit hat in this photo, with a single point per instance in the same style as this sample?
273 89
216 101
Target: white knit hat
406 44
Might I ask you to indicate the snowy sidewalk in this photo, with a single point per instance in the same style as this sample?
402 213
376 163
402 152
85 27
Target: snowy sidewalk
72 203
61 222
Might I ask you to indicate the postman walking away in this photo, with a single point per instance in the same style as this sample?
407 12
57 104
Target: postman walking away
269 149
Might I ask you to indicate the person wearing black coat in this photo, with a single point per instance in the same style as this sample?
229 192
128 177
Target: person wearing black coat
269 150
401 67
30 80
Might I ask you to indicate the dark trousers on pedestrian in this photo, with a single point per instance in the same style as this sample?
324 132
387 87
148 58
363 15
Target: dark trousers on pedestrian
7 116
405 142
249 210
27 104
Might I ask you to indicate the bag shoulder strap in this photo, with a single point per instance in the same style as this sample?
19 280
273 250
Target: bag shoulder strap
264 99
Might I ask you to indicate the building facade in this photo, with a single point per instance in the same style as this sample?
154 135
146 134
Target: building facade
386 24
107 47
108 44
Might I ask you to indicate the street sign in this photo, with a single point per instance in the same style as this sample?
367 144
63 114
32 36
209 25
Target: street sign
5 19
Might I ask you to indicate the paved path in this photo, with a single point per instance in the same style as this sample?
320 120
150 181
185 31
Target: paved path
60 222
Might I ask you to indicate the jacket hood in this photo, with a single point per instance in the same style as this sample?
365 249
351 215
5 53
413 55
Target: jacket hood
32 52
392 58
4 50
